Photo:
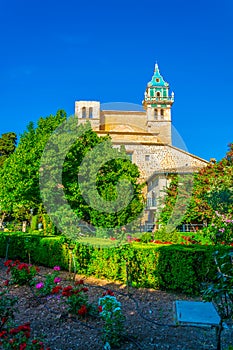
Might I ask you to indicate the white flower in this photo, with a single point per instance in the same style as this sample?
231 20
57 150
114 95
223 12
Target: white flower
107 346
117 309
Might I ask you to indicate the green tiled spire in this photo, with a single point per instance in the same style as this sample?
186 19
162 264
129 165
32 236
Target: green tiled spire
157 79
157 91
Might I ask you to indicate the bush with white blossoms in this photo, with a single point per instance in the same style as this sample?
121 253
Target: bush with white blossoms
111 314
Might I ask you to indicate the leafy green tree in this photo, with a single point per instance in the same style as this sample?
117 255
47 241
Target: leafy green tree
97 184
72 174
19 175
212 191
107 193
7 145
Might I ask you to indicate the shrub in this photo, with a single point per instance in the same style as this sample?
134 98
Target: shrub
7 308
146 237
173 267
220 290
111 313
34 222
21 273
165 236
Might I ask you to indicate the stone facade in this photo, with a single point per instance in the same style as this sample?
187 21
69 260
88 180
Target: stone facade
146 136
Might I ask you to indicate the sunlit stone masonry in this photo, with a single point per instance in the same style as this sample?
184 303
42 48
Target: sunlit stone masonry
147 137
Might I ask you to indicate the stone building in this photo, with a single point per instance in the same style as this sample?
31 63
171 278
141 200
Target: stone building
146 135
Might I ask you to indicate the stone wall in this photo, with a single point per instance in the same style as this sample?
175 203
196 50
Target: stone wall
154 158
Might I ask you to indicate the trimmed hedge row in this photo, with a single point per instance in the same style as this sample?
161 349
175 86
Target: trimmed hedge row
170 267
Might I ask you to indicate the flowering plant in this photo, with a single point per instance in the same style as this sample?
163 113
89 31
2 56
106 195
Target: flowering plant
21 273
7 308
19 338
222 229
50 285
220 290
111 313
77 299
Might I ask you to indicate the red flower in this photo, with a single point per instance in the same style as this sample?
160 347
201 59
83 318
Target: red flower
14 330
22 346
68 288
2 333
84 289
108 292
25 327
6 283
76 291
22 328
100 308
23 266
79 282
7 263
56 289
83 310
67 291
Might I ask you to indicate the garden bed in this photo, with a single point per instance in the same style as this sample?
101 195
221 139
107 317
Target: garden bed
148 315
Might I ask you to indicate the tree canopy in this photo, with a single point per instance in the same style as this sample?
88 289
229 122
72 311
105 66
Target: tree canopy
19 184
7 145
212 191
58 165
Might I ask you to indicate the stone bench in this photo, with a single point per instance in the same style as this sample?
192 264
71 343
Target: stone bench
199 314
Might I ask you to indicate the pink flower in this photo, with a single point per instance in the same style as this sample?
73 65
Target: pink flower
39 285
57 280
57 268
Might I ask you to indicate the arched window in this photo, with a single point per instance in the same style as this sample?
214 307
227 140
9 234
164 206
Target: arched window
156 113
158 94
83 112
162 113
91 112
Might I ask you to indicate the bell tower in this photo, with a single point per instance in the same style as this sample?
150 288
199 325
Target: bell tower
88 110
157 104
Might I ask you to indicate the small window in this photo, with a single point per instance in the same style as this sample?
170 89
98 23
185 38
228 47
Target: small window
158 94
158 80
91 112
147 157
84 112
162 112
156 113
130 155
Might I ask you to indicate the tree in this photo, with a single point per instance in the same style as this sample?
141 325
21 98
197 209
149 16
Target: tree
212 191
19 185
94 182
108 193
72 173
7 145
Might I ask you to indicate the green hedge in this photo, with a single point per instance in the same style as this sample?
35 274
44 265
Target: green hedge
43 250
169 267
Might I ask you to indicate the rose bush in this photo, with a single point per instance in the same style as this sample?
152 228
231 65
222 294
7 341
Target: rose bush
21 273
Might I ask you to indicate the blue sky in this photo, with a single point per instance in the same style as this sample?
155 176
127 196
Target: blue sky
55 52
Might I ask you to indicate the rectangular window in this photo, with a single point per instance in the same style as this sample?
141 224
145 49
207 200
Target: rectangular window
91 112
147 157
130 155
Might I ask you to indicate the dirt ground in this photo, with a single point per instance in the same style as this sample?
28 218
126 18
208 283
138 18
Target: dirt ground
149 319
